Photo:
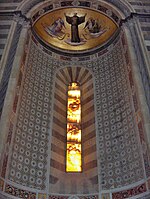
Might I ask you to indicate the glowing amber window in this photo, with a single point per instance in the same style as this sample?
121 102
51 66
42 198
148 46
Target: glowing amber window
73 154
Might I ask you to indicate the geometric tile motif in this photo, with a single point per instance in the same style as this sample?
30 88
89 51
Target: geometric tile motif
146 154
130 192
19 193
119 154
88 197
29 153
58 197
73 197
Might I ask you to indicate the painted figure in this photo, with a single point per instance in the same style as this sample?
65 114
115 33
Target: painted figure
92 25
57 26
75 21
55 29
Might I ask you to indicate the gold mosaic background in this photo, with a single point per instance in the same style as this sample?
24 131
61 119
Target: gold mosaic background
90 42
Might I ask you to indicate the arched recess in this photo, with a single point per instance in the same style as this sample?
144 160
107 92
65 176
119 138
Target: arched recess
86 181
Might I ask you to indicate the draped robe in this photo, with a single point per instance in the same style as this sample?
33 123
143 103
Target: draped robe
75 21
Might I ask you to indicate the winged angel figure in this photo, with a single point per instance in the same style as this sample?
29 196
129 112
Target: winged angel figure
94 27
56 28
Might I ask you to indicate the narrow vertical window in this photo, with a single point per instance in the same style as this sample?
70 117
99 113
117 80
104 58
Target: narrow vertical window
73 152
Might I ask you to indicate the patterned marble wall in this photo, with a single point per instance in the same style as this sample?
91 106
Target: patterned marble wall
120 161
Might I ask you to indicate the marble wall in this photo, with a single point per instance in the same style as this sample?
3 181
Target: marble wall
36 135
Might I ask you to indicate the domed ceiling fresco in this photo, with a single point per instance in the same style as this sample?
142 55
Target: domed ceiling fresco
75 29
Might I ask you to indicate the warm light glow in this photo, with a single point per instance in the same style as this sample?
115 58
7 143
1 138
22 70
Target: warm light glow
73 154
72 93
73 157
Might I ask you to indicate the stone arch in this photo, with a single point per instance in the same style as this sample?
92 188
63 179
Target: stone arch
87 181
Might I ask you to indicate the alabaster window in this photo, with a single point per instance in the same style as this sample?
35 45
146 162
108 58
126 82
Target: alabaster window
74 148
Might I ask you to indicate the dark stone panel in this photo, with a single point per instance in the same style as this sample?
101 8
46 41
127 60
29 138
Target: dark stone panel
139 10
60 111
62 80
87 89
90 165
58 136
59 123
90 150
147 36
148 48
2 17
10 1
115 17
144 19
88 99
61 89
88 123
48 8
53 179
102 8
140 4
3 36
57 165
89 136
8 8
88 79
94 180
83 75
88 110
66 3
85 3
17 1
37 15
70 73
4 27
147 28
2 46
84 58
58 150
62 101
65 58
64 75
77 73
